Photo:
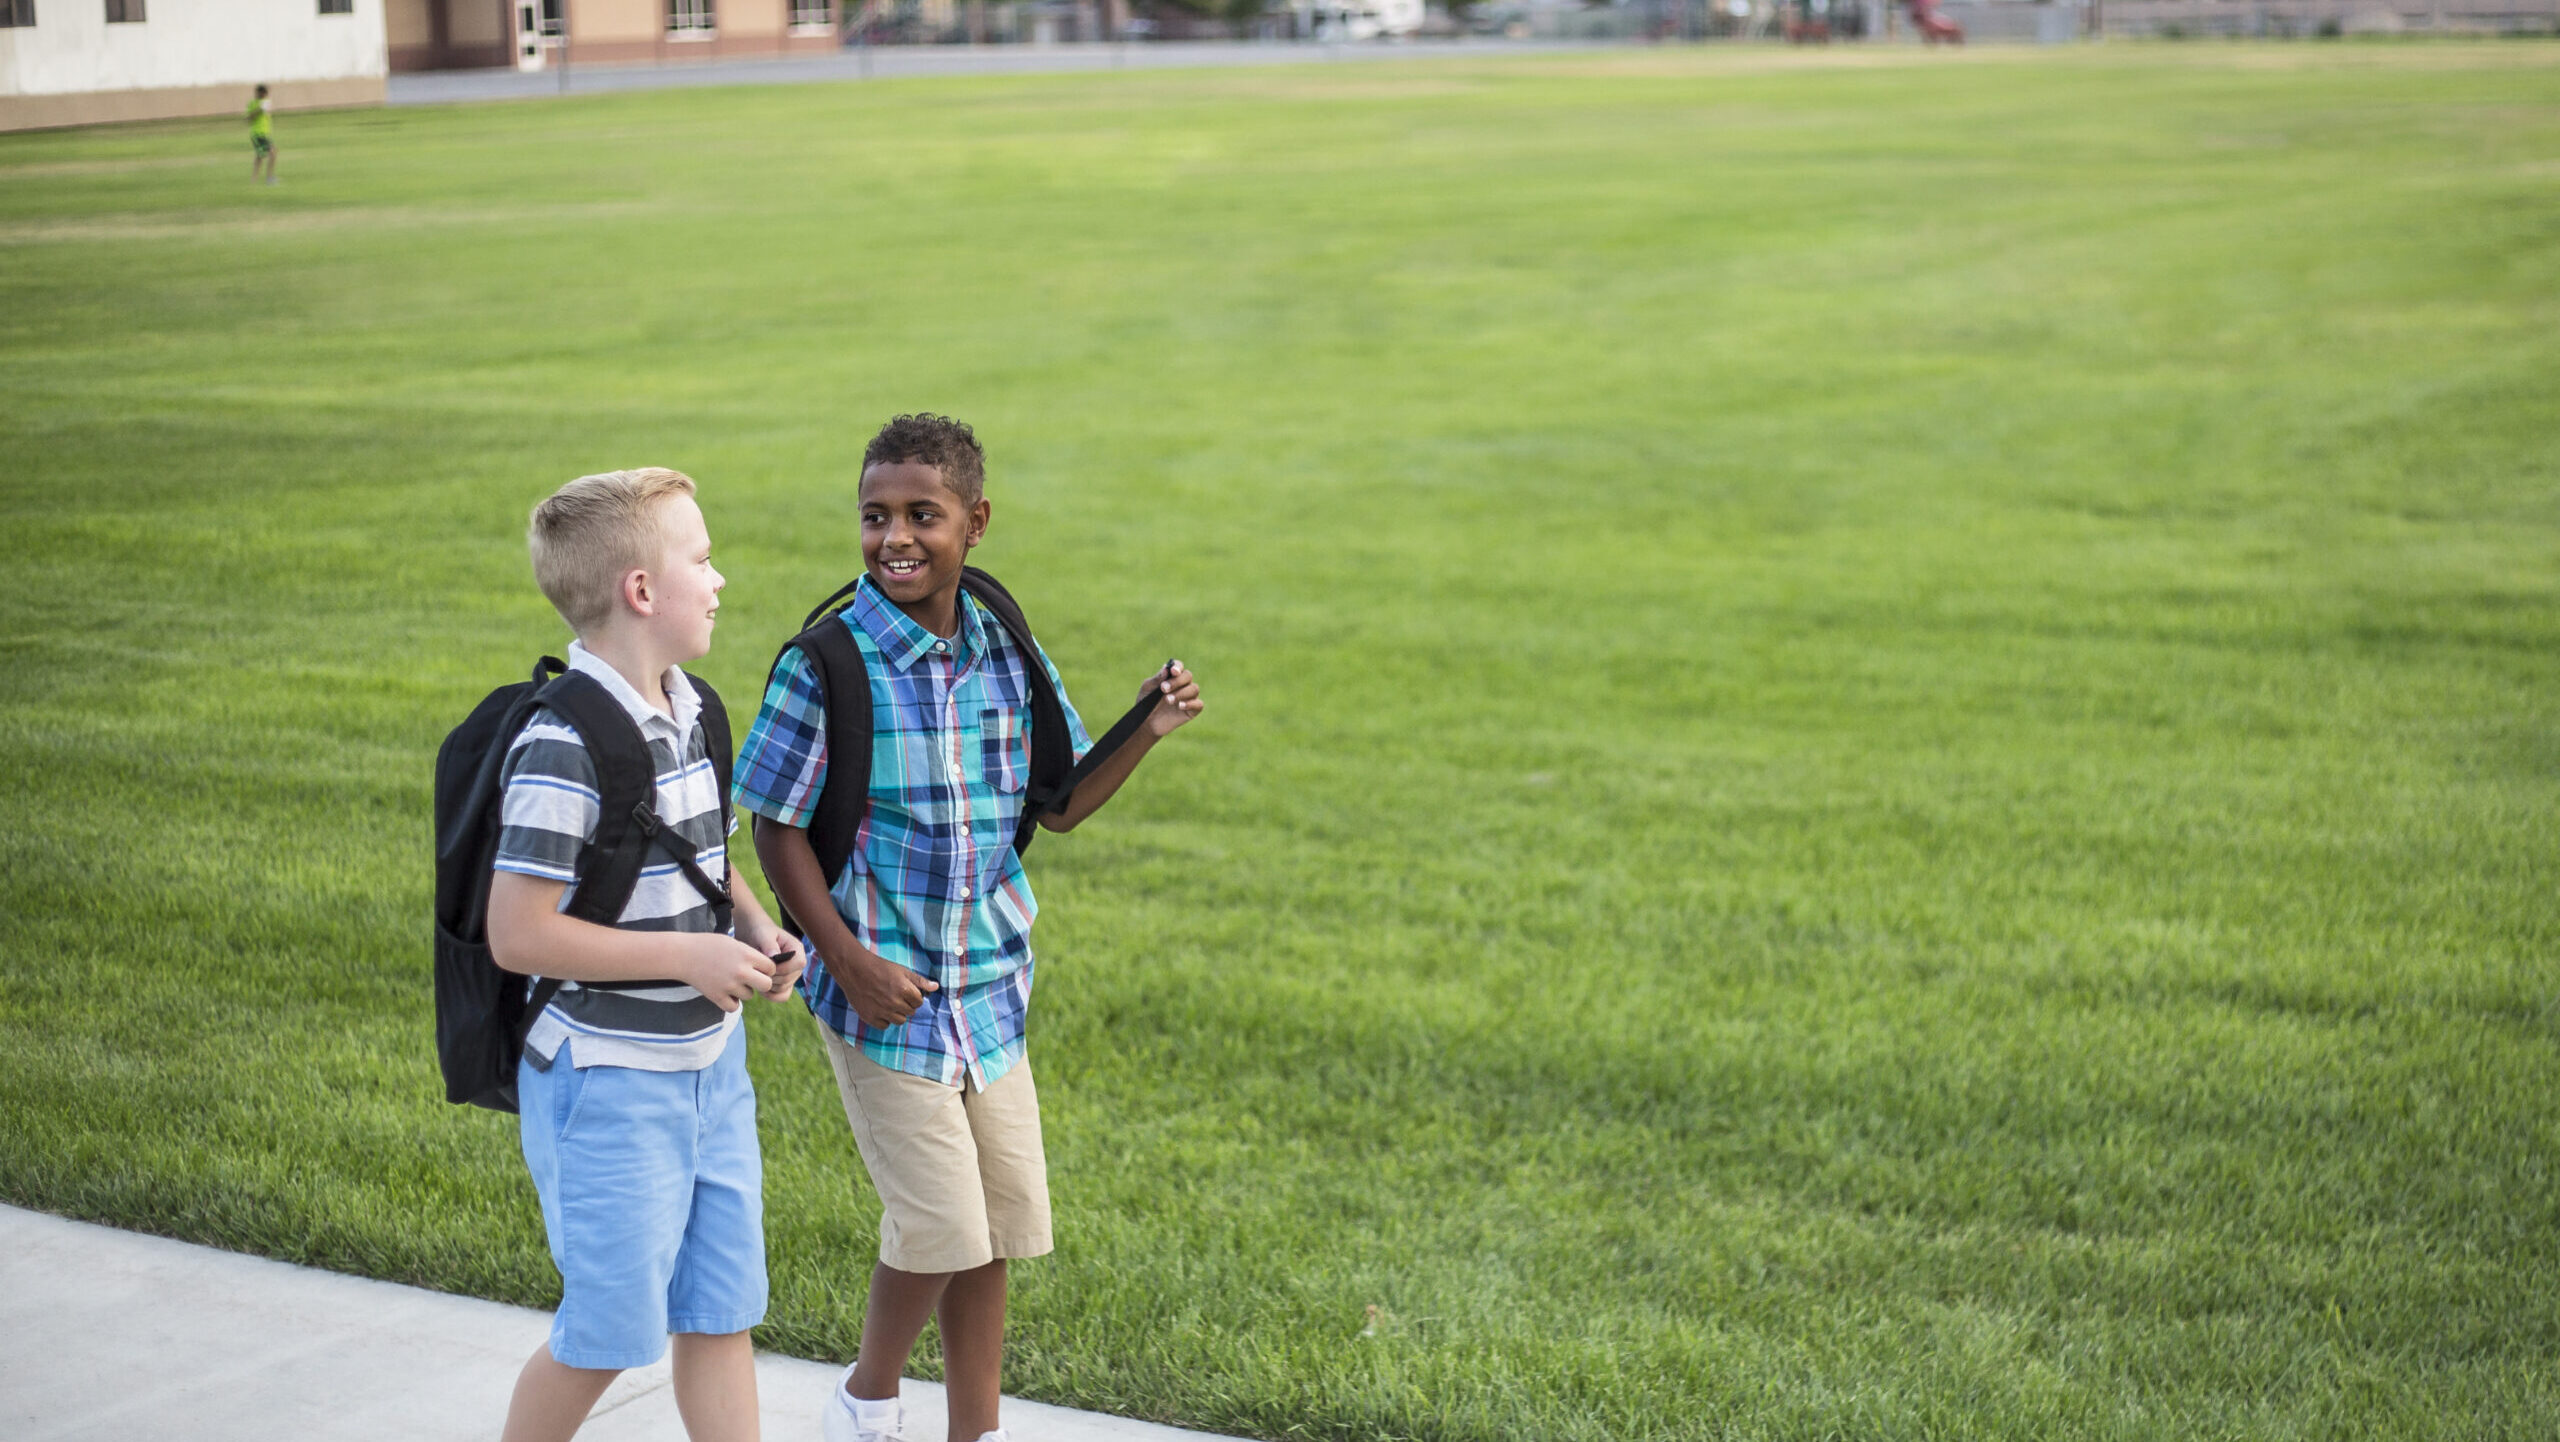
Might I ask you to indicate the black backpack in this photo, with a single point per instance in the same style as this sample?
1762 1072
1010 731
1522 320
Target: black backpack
835 661
483 1010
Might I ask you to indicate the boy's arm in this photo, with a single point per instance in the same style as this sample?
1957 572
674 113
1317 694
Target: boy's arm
1177 701
756 929
530 936
883 993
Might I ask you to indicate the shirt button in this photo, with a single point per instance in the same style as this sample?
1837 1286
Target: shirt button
964 893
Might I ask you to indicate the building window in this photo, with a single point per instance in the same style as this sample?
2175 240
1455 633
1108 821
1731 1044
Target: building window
337 7
690 19
811 15
15 13
124 12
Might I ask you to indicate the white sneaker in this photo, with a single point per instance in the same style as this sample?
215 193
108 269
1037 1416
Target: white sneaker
837 1422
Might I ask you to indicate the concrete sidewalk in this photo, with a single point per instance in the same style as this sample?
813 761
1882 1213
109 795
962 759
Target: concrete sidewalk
117 1335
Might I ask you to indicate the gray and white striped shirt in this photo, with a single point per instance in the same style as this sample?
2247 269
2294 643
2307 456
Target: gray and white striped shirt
547 826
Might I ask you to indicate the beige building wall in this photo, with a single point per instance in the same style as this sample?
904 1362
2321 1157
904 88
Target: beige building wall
406 25
480 22
612 32
616 22
173 102
754 17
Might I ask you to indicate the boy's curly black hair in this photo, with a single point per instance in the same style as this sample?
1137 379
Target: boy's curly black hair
947 445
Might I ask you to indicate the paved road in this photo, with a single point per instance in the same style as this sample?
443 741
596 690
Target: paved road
107 1336
437 87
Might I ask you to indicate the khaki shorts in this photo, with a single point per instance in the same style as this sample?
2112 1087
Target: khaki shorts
961 1176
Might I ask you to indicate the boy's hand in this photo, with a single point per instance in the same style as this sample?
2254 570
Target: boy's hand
726 970
1177 694
883 993
788 962
777 946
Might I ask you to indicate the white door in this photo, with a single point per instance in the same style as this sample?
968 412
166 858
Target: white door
529 45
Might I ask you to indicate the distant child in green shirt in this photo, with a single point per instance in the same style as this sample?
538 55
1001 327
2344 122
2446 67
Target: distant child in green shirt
262 137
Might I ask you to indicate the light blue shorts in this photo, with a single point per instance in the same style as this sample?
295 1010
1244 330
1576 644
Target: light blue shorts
653 1197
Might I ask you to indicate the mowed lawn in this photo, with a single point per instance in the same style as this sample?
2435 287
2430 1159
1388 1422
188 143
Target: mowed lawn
1882 744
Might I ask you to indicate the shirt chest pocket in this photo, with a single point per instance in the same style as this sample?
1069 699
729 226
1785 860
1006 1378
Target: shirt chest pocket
1004 749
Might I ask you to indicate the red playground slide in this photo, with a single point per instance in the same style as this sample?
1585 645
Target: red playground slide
1933 24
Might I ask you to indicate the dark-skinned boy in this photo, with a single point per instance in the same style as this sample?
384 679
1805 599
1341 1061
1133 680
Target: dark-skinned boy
924 939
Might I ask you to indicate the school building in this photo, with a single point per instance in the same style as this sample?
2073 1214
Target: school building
537 34
79 62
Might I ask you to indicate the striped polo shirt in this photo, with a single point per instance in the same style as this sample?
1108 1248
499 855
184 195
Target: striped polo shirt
547 827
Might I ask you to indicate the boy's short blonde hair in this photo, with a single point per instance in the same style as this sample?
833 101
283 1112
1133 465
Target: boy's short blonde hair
594 531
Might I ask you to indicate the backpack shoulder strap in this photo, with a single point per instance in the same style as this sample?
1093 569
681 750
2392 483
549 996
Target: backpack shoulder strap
626 779
722 752
843 677
716 739
991 593
544 989
1053 750
834 599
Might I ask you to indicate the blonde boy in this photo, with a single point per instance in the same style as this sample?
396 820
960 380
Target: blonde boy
637 1119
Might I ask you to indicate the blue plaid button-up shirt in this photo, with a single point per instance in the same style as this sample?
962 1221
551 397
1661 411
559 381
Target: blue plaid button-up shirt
934 884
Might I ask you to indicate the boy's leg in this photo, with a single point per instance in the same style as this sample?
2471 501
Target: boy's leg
963 1185
717 1292
1004 1123
716 1386
901 1303
915 1143
972 1316
970 1306
551 1400
608 1152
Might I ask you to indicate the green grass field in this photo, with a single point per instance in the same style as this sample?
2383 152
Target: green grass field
1882 754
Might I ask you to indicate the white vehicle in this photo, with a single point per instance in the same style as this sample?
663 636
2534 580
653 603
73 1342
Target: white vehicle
1361 19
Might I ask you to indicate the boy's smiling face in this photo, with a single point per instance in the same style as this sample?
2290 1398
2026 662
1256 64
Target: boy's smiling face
684 588
916 535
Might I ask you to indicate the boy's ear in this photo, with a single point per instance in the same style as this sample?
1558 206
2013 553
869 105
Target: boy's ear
978 515
636 593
